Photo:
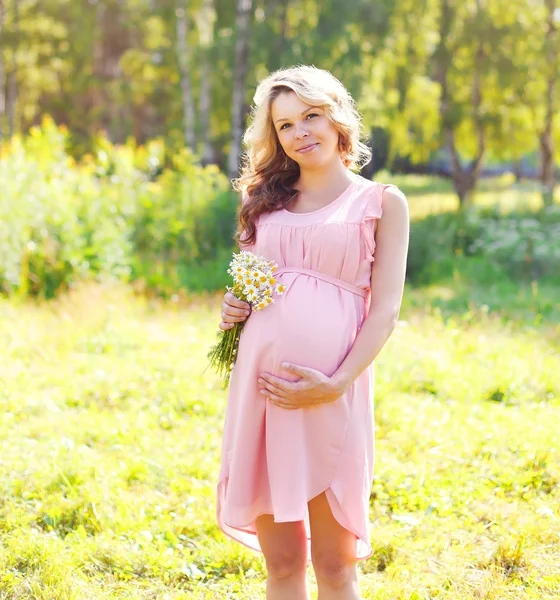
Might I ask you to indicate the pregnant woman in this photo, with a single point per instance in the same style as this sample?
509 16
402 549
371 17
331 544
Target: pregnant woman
298 440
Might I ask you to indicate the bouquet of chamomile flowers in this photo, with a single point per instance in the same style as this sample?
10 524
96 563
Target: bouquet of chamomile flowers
254 283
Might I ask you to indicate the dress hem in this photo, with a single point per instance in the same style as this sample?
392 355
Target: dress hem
243 528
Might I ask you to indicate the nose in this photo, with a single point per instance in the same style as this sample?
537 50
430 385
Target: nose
300 131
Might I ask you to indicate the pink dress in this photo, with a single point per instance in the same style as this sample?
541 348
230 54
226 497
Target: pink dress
275 460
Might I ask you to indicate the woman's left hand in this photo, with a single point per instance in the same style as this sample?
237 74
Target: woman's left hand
313 388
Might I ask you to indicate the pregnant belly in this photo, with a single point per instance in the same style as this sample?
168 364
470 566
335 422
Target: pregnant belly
313 324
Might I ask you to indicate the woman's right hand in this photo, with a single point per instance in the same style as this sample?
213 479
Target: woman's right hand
233 311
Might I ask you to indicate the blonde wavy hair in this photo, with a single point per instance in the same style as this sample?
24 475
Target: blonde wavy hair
267 173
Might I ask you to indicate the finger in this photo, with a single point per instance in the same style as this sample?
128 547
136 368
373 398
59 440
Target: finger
275 380
274 389
231 311
277 383
297 369
231 319
225 326
284 405
268 394
234 301
273 397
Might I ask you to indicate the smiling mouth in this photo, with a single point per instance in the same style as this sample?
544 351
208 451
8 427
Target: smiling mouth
306 147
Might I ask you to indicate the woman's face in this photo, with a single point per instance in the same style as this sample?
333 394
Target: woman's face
299 125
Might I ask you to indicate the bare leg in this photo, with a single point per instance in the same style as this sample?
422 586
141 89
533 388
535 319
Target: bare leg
284 546
333 552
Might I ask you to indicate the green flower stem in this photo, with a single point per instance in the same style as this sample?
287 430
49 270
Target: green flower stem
224 352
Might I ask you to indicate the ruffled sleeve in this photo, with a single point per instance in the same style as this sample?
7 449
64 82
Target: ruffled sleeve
373 210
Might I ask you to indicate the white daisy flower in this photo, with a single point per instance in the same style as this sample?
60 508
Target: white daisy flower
250 290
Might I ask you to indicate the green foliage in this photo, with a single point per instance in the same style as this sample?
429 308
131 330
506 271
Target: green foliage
151 215
124 212
58 223
523 244
114 65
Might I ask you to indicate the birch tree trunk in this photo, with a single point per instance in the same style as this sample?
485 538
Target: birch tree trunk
12 79
183 56
240 76
546 138
2 77
277 10
206 32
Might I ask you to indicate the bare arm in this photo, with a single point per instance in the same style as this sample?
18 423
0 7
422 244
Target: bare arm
387 286
234 310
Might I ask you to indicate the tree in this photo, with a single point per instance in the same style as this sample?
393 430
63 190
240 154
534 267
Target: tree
452 110
206 22
400 96
2 77
447 77
12 95
551 55
531 93
242 31
184 55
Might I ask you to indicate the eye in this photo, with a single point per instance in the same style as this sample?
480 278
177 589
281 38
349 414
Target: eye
309 115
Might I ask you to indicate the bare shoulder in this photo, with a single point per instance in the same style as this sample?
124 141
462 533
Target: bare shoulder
395 202
395 214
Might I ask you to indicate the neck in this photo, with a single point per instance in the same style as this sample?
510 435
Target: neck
327 177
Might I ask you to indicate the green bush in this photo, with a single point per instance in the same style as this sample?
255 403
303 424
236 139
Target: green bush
120 213
57 222
432 242
525 245
153 215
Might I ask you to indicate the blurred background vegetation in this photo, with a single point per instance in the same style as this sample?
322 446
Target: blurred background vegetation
120 130
121 124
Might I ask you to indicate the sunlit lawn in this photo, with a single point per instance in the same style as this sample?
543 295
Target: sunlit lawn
110 433
110 445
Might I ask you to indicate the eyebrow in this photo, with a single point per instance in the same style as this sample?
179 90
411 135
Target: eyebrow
278 121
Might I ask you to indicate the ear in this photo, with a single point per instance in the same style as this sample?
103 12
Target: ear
342 145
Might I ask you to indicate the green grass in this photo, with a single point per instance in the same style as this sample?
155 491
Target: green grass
110 444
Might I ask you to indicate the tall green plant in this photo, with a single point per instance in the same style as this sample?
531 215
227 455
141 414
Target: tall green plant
60 221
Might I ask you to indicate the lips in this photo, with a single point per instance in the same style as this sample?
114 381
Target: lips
305 147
